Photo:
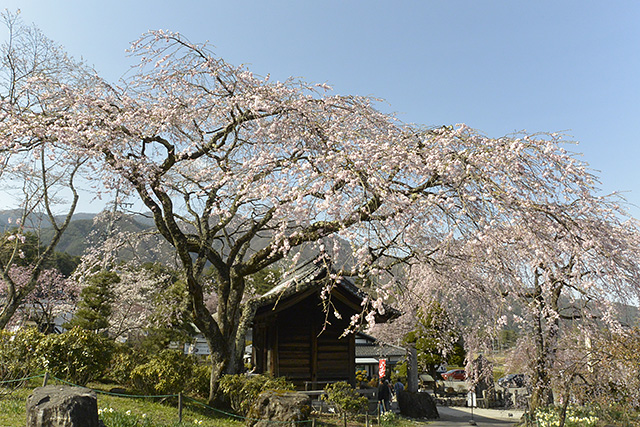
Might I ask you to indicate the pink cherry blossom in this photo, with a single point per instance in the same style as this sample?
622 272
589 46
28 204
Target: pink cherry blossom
239 173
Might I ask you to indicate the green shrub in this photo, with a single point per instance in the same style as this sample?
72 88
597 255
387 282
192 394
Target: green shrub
18 357
242 390
124 360
77 356
164 373
388 418
345 398
200 379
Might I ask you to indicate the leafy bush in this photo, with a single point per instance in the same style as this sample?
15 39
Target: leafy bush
18 357
124 360
164 373
78 355
242 390
200 379
345 398
388 418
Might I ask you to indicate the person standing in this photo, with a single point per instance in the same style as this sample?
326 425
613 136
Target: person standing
398 387
384 396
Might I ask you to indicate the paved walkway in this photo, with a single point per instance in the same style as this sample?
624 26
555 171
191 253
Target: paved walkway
454 416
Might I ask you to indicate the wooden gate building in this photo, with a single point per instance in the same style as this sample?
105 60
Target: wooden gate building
296 337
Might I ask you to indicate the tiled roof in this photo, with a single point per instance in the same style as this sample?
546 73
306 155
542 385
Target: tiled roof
382 350
307 276
368 346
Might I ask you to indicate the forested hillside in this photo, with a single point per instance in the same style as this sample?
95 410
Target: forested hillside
82 231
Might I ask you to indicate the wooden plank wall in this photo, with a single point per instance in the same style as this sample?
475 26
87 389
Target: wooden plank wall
295 345
299 338
303 353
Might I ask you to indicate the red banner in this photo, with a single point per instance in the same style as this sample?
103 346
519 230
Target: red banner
382 367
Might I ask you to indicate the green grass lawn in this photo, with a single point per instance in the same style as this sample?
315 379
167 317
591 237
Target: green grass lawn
12 409
118 411
123 411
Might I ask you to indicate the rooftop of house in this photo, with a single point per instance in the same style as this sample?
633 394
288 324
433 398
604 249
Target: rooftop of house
312 275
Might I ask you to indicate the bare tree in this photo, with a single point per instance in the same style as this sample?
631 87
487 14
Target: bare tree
37 169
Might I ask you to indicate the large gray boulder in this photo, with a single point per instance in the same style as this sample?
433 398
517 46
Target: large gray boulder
278 405
417 405
62 406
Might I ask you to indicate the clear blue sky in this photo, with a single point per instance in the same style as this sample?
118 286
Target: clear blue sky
498 66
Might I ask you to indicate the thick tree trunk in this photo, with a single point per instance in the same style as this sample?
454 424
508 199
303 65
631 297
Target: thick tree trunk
545 336
219 346
218 365
226 346
542 394
226 358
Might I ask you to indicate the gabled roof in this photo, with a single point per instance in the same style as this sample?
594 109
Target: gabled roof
374 348
310 277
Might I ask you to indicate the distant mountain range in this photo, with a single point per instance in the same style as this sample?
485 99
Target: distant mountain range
82 228
84 231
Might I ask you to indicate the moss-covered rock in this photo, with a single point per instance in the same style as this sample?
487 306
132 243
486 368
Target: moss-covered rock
417 405
279 405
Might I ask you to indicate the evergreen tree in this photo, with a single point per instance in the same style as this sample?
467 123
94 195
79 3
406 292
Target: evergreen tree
95 305
434 338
